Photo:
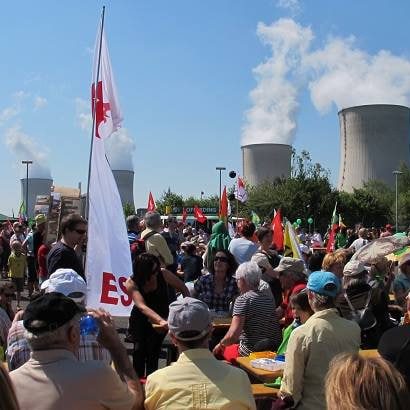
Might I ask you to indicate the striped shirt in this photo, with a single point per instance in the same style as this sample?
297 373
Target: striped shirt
18 351
261 321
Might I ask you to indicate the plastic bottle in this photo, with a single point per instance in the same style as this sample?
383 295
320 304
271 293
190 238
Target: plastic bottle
89 326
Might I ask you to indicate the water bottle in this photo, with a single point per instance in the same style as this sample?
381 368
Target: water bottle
89 326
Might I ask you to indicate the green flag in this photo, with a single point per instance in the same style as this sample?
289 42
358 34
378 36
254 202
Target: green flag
255 218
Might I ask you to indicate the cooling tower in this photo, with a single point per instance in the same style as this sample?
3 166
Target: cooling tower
265 162
36 186
125 184
374 140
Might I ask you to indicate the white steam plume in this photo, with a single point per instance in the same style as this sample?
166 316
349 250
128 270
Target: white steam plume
339 73
25 148
120 148
275 98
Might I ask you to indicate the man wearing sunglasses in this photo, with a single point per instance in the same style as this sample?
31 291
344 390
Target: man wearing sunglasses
63 254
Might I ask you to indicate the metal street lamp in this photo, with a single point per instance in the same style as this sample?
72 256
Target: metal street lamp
220 169
27 163
396 174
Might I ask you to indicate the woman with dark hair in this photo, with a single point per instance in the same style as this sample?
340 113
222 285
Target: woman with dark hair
148 286
302 311
218 289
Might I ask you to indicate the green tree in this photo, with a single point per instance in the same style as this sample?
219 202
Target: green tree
307 193
171 199
129 209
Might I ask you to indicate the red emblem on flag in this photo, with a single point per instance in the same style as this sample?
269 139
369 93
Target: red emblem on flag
101 108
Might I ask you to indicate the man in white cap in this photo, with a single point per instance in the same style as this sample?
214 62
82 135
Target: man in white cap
197 380
72 285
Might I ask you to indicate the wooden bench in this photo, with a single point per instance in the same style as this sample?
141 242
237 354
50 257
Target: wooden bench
260 391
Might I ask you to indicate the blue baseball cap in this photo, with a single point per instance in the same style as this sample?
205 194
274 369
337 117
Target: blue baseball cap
324 283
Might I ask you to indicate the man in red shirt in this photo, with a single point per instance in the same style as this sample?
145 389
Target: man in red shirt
293 279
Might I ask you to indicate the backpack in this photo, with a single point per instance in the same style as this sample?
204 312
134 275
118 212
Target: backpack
138 247
363 317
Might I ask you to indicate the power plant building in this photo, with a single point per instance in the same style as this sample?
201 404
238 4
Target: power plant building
125 184
374 141
266 162
36 186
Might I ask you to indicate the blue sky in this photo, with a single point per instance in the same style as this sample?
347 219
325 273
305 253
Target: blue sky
185 72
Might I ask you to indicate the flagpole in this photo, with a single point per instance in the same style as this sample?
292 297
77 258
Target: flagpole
94 104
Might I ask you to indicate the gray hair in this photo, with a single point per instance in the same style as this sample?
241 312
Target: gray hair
53 338
320 302
251 274
132 222
152 220
353 281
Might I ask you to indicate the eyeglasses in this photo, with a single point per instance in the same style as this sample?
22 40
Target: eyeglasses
81 231
221 259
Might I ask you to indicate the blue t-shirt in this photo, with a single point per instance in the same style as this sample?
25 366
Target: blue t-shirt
243 249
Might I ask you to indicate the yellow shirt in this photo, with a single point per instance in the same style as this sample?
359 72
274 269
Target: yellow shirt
17 265
157 245
310 349
198 381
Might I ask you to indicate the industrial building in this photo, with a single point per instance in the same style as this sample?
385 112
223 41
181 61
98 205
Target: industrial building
266 162
125 184
374 140
36 186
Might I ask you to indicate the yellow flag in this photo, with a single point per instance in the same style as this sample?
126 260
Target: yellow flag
291 242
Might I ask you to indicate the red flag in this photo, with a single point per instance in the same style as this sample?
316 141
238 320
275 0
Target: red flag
151 203
330 247
199 216
223 207
184 215
277 228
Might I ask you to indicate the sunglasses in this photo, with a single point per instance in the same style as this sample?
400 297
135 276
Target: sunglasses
221 259
81 231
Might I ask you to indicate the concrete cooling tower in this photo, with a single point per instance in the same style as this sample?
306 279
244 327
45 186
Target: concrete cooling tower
125 184
36 186
374 140
265 162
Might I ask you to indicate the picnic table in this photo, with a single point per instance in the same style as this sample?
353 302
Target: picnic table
269 376
260 374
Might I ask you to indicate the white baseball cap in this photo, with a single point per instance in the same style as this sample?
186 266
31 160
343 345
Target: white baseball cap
68 282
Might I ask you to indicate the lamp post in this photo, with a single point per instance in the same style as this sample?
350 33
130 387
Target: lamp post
27 163
220 169
202 193
396 174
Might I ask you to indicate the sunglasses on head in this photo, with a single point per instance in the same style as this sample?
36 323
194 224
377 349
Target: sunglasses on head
81 231
221 259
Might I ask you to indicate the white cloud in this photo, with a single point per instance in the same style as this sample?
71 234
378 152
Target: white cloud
20 95
120 148
25 148
293 6
8 113
83 115
39 102
338 73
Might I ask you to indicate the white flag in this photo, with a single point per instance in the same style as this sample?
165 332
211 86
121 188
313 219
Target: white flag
240 191
108 253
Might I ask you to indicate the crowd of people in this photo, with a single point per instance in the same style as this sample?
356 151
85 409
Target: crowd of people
318 311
